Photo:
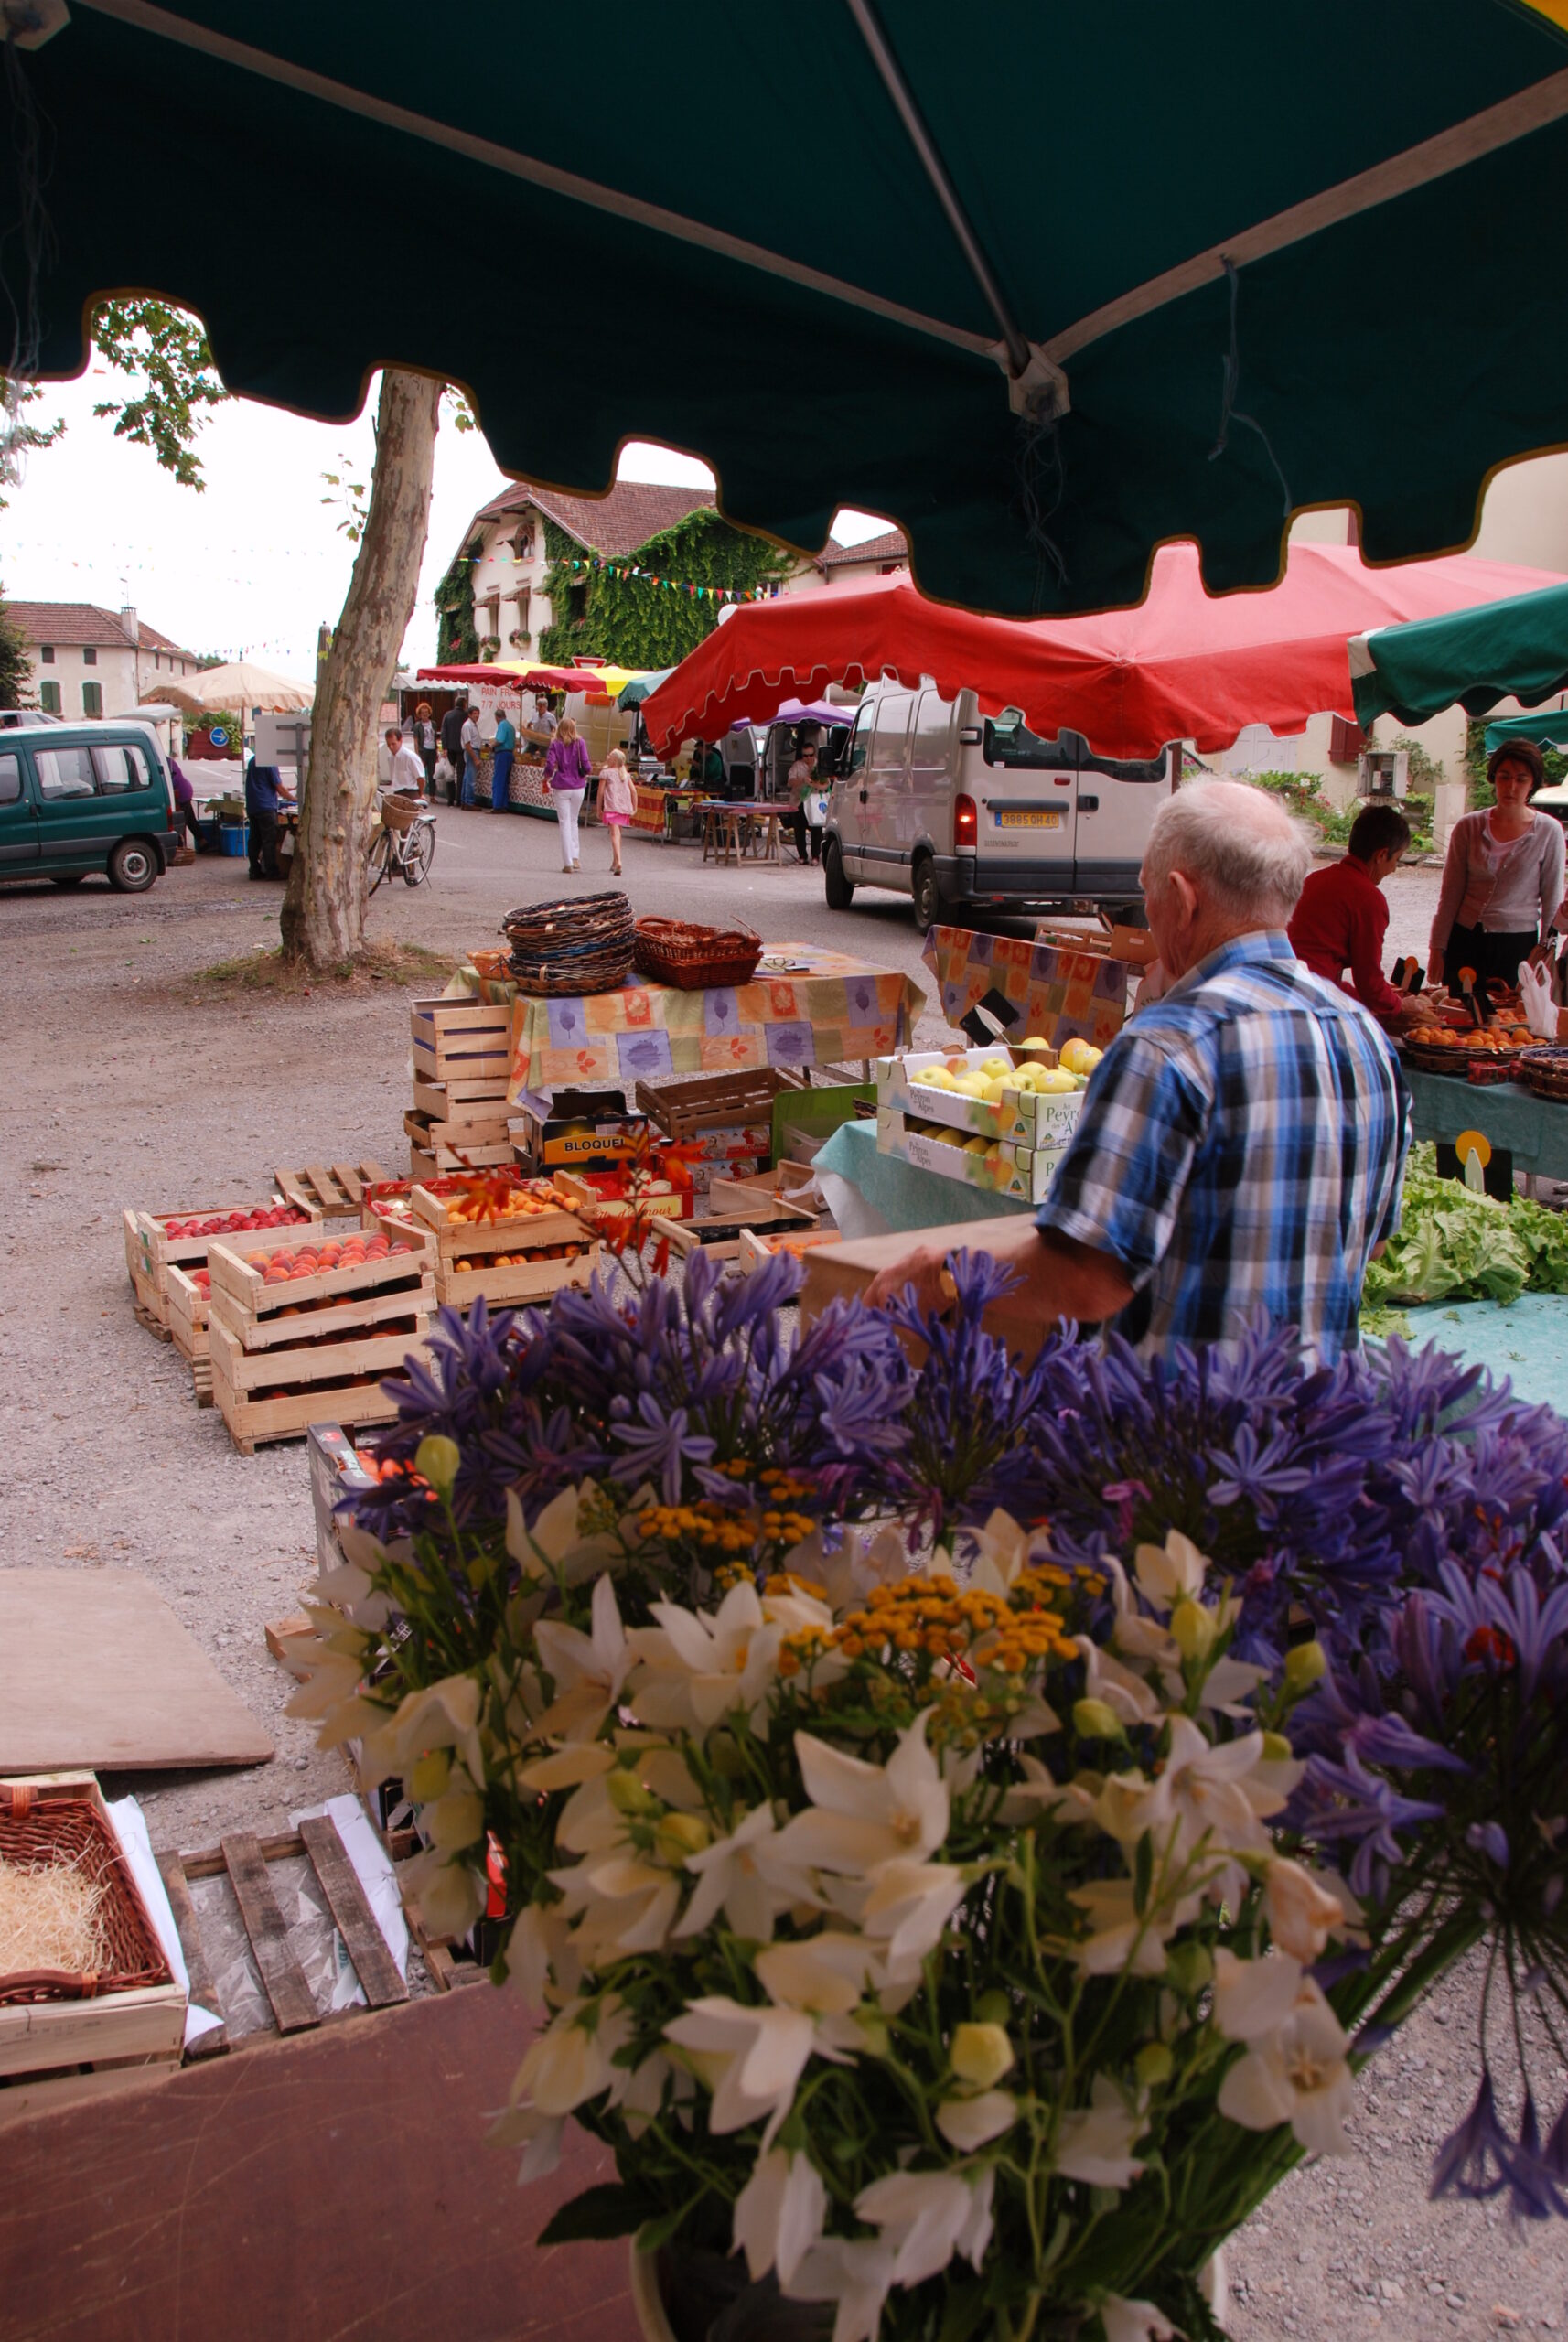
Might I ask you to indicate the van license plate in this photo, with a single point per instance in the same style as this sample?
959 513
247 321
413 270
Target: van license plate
1046 818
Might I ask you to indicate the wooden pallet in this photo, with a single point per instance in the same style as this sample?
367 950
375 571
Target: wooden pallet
316 1348
461 1040
329 1192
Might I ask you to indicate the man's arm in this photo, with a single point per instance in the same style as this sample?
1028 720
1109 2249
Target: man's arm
1059 1278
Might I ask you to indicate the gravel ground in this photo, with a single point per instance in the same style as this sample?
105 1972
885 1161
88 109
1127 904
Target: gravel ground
131 1085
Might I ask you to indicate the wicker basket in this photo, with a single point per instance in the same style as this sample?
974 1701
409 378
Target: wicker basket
1498 1064
402 811
696 959
581 944
1545 1071
37 1831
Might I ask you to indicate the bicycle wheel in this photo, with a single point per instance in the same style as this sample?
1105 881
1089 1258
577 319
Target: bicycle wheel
420 853
383 846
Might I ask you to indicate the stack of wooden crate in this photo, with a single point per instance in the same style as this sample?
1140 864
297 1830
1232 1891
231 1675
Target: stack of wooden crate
462 1062
508 1261
167 1277
290 1352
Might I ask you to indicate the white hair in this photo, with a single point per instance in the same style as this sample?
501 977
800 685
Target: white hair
1246 855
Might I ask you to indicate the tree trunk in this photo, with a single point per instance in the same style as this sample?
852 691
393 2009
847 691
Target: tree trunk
324 907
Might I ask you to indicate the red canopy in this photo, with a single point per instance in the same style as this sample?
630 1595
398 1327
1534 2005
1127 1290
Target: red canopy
1183 665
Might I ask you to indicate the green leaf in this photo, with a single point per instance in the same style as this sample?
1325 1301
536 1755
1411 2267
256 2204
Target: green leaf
965 2307
657 2230
610 2211
1142 1872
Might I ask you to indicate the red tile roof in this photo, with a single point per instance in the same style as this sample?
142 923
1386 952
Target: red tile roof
889 546
616 524
74 623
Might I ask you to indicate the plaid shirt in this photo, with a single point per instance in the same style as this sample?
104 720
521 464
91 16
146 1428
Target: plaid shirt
1241 1148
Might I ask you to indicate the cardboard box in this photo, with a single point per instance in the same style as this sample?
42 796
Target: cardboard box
842 1272
743 1166
1134 945
592 1128
1021 1172
1028 1119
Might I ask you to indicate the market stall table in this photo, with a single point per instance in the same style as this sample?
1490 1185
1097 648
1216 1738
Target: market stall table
806 1006
1057 992
1533 1130
870 1193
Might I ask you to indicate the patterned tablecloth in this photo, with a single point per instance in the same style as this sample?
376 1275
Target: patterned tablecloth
1061 993
816 1008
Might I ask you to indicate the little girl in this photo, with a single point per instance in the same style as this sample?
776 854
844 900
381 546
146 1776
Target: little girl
618 802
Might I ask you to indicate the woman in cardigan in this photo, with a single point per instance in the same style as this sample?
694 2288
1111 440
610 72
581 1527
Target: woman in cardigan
567 769
1502 882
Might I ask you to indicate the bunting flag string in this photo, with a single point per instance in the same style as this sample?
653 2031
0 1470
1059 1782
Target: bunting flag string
689 587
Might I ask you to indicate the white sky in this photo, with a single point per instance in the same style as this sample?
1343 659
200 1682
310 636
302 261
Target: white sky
254 564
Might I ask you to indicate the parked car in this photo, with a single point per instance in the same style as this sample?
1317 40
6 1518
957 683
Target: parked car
952 808
80 798
12 718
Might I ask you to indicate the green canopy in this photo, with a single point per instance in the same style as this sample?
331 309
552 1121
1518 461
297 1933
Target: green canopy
1048 285
1548 730
1472 658
636 691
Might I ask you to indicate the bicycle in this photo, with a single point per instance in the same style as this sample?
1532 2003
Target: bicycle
405 845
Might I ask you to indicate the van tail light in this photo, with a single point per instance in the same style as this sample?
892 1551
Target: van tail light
965 823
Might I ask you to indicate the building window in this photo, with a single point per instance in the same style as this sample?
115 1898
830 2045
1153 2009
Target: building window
49 698
46 653
90 656
157 661
92 699
493 615
577 603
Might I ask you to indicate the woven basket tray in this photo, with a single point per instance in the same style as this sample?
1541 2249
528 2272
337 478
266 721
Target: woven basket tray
696 959
1545 1071
1457 1062
401 813
37 1831
564 979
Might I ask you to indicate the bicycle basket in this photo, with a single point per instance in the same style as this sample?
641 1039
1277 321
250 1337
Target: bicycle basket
401 813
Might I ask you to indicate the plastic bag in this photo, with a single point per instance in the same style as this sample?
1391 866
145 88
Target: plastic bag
1540 1008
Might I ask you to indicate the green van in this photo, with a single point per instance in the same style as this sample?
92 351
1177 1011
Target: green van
80 798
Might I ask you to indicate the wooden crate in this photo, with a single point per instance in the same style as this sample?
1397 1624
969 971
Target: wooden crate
712 1102
457 1106
436 1147
731 1206
529 1280
54 2050
752 1250
461 1040
329 1192
281 1362
188 1314
159 1247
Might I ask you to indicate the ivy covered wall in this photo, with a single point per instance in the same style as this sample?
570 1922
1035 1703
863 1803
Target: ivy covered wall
456 636
633 622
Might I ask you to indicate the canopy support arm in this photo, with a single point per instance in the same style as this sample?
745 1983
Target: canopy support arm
1036 381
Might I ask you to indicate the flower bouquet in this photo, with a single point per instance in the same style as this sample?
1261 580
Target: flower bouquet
964 1826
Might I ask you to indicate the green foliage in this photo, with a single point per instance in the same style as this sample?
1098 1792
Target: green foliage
1482 793
635 622
456 638
1299 790
164 351
1424 772
19 439
352 495
16 668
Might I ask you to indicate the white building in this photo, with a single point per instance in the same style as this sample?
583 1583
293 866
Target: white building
87 661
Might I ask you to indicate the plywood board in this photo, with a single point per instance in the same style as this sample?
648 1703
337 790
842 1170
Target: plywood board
96 1670
335 2187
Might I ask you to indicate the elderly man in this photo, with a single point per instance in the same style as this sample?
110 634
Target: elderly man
1242 1140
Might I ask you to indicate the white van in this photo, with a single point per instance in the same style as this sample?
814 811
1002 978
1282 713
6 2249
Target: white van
950 807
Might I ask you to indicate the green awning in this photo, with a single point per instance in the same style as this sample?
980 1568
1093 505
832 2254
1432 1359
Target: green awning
1045 297
637 690
1548 730
1471 659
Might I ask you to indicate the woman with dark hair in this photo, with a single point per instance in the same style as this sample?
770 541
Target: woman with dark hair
1503 879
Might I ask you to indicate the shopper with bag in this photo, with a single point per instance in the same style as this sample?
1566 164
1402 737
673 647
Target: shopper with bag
1502 880
567 770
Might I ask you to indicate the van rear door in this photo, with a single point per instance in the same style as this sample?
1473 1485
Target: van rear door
1117 801
19 822
1027 811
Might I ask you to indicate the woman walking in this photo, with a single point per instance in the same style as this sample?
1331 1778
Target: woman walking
567 769
1502 880
617 803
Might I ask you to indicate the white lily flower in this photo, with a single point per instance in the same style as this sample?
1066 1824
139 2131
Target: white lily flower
1094 2143
907 1907
1126 2321
539 2136
824 1976
854 2273
1301 1913
555 1544
1000 1553
1040 1793
695 1668
1119 1938
796 1610
570 2061
1169 1572
622 1905
779 2214
929 2217
640 2094
742 1876
864 1814
444 1715
568 1768
450 1896
1253 1997
348 1588
1297 2074
1126 1695
539 1951
1206 1795
751 2058
588 1670
970 2123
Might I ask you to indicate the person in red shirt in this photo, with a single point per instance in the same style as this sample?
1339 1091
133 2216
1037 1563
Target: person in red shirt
1342 917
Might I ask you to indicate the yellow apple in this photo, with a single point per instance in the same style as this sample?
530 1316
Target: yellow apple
1055 1079
1080 1055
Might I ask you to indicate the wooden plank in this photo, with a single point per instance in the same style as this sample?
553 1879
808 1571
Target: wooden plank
203 1990
281 1336
96 1670
209 1861
347 1179
292 1192
231 1273
326 1187
373 1963
293 1372
208 2204
280 1972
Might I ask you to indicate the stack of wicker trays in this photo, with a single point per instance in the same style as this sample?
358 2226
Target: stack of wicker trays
696 959
1467 1060
38 1832
582 944
1545 1071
